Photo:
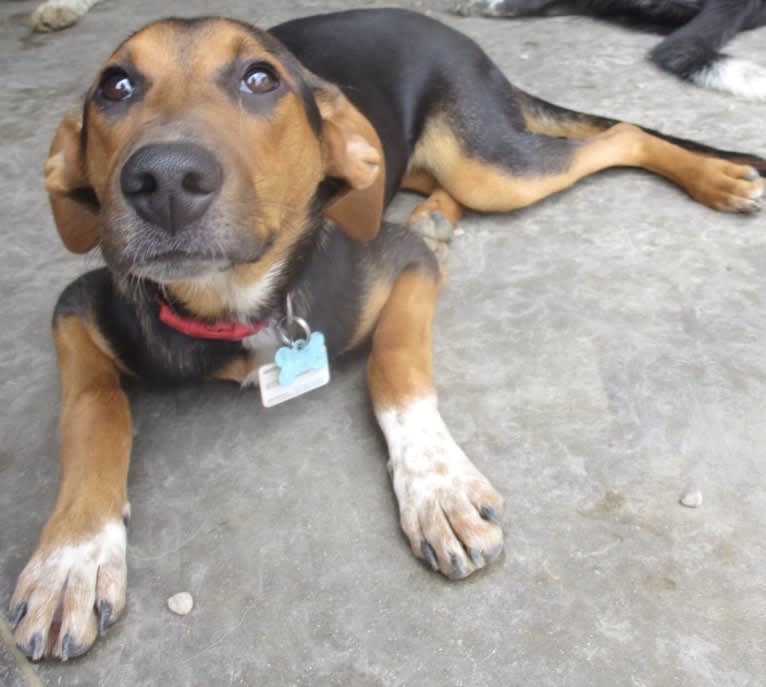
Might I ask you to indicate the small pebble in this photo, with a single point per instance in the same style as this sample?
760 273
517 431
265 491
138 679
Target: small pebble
692 499
181 603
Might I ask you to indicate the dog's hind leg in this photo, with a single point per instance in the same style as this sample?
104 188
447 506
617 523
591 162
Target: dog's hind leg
448 509
74 585
517 168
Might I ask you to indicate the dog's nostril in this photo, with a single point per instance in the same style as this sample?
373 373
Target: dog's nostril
194 182
141 183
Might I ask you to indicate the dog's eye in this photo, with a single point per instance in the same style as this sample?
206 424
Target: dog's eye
259 78
116 85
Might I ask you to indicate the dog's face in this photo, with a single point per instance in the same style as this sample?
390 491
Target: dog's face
203 156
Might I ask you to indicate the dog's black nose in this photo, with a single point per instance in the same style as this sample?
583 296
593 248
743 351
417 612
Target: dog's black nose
171 184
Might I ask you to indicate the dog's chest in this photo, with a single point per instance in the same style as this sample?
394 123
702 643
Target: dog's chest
262 347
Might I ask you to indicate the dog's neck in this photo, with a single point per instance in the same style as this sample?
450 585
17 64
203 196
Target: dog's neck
250 292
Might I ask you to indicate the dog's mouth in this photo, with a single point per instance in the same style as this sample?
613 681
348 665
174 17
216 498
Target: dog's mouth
171 266
167 264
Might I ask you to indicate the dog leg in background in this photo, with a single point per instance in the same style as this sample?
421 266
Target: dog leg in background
74 584
54 15
691 52
667 12
448 510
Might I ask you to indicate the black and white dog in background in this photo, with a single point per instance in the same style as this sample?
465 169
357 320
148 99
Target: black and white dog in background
698 30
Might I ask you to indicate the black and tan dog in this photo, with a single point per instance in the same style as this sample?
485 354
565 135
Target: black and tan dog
221 168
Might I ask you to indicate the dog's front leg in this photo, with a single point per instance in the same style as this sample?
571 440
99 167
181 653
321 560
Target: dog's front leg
74 584
449 510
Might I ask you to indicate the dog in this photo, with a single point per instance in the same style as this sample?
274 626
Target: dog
234 180
698 30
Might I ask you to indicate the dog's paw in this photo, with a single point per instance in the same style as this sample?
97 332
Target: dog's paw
69 592
53 17
449 511
433 225
728 186
435 229
738 77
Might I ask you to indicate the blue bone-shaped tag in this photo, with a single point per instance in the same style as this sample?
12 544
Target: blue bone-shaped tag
293 361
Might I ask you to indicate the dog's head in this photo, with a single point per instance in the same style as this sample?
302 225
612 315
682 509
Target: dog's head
203 156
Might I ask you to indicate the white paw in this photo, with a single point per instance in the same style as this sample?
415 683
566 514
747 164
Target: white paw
449 510
731 75
68 593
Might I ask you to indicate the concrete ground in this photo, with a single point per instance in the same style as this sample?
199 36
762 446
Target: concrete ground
597 355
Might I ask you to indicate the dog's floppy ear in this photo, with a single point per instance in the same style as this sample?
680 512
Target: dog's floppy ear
74 204
354 154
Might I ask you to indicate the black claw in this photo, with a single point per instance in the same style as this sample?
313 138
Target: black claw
428 553
36 647
18 614
66 647
456 571
104 616
475 555
488 513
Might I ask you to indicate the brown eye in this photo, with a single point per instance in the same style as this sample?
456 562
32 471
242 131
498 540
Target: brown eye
116 85
259 79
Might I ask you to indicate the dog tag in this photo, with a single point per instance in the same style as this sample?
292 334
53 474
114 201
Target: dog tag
296 370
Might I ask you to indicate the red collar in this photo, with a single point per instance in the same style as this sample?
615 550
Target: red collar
222 331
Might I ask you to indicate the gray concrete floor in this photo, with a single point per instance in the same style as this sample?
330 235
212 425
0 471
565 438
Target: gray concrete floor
596 355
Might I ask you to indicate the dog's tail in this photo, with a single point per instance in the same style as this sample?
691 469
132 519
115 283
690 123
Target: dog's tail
542 117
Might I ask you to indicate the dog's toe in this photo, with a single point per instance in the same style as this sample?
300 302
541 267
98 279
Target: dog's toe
457 539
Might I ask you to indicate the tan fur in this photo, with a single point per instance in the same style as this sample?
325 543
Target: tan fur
548 126
375 298
95 431
400 366
439 201
419 181
78 225
237 370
